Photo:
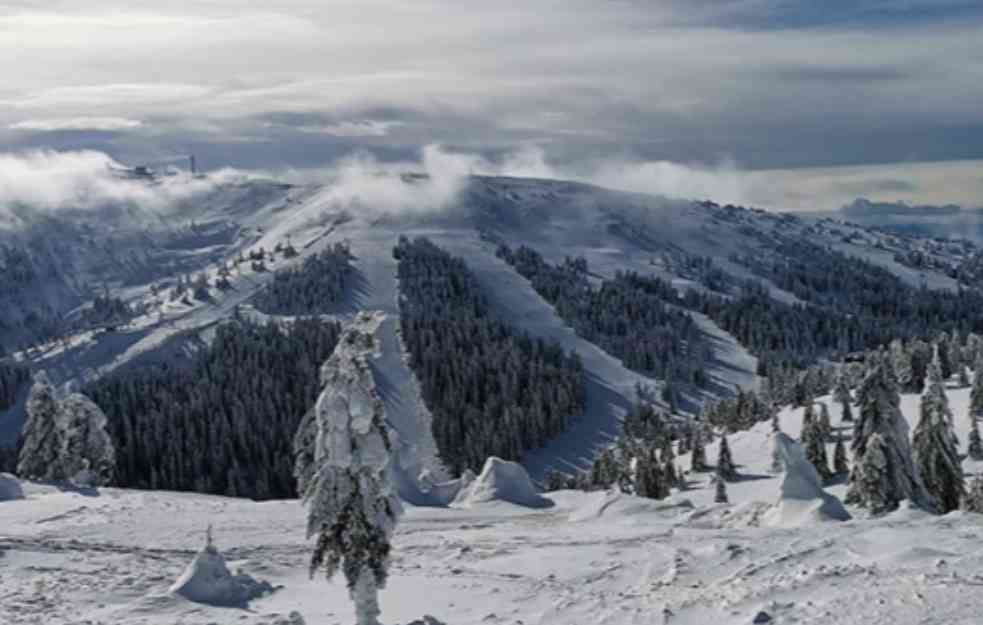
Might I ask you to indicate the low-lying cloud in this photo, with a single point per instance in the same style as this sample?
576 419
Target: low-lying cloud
48 181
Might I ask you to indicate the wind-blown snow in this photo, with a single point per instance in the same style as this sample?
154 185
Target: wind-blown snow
208 580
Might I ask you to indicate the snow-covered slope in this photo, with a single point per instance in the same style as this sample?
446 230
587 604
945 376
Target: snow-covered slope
110 556
139 254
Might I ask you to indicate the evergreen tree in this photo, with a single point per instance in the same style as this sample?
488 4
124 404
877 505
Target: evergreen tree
725 464
841 394
777 463
814 444
974 497
650 480
720 489
976 394
935 446
825 426
40 452
698 459
349 489
975 444
890 467
840 464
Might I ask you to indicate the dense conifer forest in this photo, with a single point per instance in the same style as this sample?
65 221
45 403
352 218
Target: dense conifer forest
225 425
320 281
491 389
630 316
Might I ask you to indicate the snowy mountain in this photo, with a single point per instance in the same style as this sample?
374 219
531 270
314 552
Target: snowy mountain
498 299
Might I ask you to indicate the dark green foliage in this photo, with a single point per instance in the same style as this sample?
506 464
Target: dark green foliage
628 316
738 413
840 464
725 463
492 390
224 425
320 281
13 378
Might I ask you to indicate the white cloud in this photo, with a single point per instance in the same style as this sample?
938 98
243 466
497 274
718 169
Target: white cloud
49 181
77 123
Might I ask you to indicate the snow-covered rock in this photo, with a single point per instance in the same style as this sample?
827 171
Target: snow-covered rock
501 480
10 488
207 580
802 500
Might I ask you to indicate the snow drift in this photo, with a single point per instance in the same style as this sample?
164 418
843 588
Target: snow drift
802 500
10 488
501 480
207 580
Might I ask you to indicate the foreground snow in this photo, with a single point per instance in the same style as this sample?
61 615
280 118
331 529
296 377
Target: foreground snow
111 556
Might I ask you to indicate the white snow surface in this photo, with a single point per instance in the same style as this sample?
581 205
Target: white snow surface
109 556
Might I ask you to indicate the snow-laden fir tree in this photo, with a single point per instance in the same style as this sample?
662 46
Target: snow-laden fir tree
840 464
973 501
808 415
650 480
814 445
352 502
65 439
975 444
879 415
935 446
39 457
725 463
88 456
720 489
777 461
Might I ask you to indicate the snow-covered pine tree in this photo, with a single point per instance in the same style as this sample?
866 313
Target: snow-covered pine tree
880 416
352 503
808 415
840 464
974 497
975 444
720 489
88 456
725 463
698 459
40 453
650 481
814 445
777 463
936 449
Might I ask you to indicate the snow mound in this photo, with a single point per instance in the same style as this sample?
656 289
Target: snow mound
208 580
501 480
10 488
802 500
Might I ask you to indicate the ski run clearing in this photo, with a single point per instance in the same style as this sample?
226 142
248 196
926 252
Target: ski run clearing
111 556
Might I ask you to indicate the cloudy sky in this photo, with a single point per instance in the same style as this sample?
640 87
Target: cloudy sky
786 103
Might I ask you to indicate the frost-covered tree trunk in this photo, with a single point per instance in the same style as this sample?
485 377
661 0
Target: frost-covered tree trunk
880 416
346 479
40 455
935 446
